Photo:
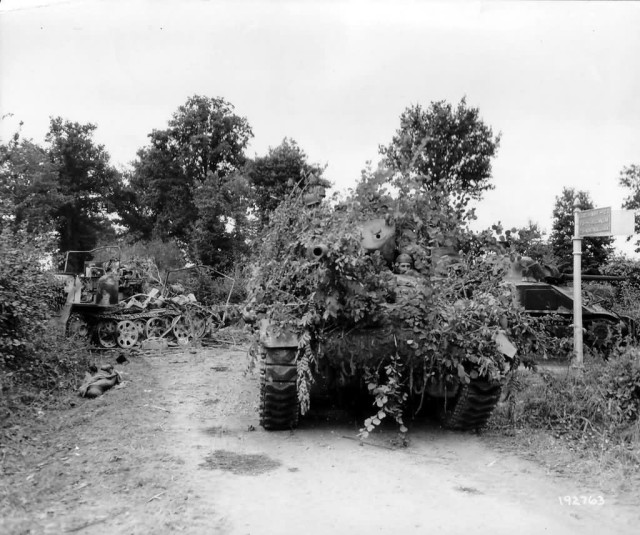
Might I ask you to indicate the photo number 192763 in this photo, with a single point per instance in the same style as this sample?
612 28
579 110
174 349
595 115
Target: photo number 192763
581 500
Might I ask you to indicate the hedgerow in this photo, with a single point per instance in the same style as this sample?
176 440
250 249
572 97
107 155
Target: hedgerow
33 352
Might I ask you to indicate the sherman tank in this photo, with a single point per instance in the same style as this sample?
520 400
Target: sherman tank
545 291
341 303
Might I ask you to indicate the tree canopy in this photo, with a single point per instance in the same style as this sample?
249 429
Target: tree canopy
86 184
595 251
184 180
449 147
28 185
630 179
67 186
528 240
273 176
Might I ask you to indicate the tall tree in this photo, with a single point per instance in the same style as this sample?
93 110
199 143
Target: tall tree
28 186
164 194
449 148
528 240
66 187
273 176
630 179
595 251
221 233
86 183
181 178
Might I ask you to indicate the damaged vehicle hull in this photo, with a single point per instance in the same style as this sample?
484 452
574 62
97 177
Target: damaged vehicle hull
114 305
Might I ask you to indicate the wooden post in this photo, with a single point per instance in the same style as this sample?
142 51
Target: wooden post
578 359
594 222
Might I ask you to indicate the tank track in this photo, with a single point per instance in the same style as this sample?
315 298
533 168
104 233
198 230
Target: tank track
278 388
95 319
117 316
472 406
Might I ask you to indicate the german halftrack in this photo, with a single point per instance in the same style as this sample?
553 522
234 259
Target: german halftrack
111 304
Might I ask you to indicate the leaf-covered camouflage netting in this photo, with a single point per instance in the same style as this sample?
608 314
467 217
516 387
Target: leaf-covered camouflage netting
438 319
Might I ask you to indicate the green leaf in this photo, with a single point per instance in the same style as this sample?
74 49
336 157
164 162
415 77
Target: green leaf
461 373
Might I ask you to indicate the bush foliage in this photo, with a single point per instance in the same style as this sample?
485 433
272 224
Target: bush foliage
626 294
27 294
599 407
33 352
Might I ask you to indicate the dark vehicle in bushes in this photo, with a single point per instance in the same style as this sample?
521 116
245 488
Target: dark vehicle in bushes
545 292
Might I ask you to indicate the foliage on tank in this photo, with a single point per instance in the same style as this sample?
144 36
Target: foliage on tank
314 276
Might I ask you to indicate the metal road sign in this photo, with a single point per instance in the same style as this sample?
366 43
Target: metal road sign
605 222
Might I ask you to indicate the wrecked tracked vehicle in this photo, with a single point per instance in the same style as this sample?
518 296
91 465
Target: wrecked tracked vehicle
340 304
113 305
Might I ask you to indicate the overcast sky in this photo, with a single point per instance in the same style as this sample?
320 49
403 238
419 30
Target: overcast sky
559 80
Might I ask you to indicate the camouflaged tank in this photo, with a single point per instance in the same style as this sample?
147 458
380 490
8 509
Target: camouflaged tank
461 404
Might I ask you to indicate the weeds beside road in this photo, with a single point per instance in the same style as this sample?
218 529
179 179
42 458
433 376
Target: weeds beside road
582 423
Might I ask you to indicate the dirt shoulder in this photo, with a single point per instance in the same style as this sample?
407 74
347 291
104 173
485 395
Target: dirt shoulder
177 448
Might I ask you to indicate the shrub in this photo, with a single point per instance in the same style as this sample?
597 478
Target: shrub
26 296
32 352
602 404
621 385
208 286
627 293
165 255
211 289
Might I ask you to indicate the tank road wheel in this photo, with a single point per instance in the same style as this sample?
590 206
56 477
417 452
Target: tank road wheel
140 325
155 327
182 330
127 335
77 326
200 323
472 406
107 331
279 389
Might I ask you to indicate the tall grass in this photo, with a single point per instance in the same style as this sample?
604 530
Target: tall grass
592 416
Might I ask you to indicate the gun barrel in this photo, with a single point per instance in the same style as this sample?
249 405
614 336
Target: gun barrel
317 251
603 278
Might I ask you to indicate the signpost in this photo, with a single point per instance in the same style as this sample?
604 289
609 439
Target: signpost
605 222
597 222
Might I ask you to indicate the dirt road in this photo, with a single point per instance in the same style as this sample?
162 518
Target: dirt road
177 449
